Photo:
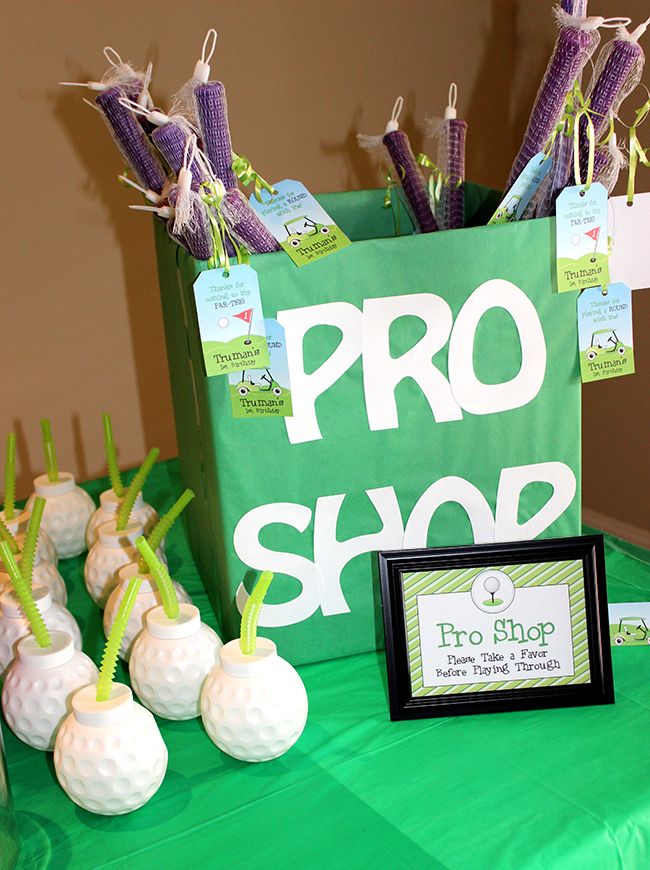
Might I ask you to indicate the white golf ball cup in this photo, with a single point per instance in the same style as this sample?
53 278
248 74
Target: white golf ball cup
109 756
44 546
254 707
142 514
171 659
147 597
39 685
112 550
44 574
14 624
67 511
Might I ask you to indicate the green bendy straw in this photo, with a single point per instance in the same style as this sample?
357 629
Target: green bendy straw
31 539
10 477
164 524
112 648
135 486
8 538
49 451
111 457
22 584
248 632
161 575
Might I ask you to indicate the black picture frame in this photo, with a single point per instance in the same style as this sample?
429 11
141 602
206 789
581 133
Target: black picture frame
418 689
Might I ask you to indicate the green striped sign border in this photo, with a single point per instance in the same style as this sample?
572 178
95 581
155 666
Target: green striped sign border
568 572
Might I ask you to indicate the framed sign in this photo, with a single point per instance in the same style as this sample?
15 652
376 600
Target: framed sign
496 627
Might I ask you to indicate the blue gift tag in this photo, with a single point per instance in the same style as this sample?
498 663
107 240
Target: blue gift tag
231 320
581 234
513 204
605 332
296 220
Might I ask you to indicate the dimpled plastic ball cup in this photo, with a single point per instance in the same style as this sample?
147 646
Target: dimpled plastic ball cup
254 707
39 685
43 573
112 550
148 597
109 756
45 546
14 625
171 659
142 514
67 511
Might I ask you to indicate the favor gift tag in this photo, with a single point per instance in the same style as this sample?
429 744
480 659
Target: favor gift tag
297 221
231 321
629 623
605 333
513 204
264 392
581 234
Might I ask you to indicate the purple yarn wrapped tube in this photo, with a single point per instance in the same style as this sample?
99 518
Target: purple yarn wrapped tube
399 148
575 7
131 139
617 78
170 139
454 209
197 238
212 114
573 48
245 224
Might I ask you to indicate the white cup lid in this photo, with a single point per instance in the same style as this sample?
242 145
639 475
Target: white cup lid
187 623
109 536
109 502
10 605
101 714
46 487
42 658
235 663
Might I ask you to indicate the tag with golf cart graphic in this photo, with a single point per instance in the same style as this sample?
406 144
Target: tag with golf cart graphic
581 238
264 392
514 203
301 226
231 320
605 332
629 623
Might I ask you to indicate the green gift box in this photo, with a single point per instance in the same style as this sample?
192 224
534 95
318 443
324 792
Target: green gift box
436 401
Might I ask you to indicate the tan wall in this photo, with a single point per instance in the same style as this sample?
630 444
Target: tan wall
82 329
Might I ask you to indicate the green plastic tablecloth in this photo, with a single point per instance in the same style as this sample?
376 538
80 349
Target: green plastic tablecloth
550 789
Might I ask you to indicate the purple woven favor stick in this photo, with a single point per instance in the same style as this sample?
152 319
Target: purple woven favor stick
618 72
245 224
575 7
398 146
212 115
131 139
196 236
455 193
573 48
170 139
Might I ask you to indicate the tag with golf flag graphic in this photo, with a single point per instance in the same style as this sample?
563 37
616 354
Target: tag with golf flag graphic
231 320
296 220
605 333
264 392
581 235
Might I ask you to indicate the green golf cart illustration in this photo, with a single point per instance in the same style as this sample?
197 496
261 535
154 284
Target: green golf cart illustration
266 384
604 341
508 211
631 629
298 228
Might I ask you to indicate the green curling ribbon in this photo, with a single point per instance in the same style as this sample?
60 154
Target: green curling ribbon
391 184
244 171
637 153
212 193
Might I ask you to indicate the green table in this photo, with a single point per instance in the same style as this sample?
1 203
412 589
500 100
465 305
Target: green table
550 789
